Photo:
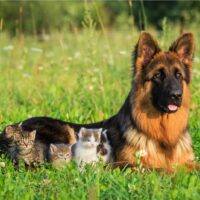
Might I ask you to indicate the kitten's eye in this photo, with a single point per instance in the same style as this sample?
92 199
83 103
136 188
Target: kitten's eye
60 155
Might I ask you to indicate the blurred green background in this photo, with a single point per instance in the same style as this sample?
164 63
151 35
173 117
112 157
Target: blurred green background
36 17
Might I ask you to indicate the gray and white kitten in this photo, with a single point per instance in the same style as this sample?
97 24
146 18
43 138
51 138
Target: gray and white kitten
25 147
85 150
59 154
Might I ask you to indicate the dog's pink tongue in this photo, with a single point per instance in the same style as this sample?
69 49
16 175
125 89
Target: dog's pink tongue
172 107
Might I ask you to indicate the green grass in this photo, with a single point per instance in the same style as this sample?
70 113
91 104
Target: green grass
82 77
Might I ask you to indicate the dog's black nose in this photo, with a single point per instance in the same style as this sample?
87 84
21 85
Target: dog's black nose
175 95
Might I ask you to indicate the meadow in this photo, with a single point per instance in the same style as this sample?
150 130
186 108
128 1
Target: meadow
83 77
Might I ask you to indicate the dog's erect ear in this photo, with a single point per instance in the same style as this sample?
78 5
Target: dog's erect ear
184 47
146 48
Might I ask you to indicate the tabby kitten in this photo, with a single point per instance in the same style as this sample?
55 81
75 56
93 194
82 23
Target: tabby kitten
59 154
7 144
85 150
25 147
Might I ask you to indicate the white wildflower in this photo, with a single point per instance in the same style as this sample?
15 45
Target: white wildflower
66 68
40 68
77 54
197 60
96 69
123 52
91 87
94 79
65 46
110 61
141 153
25 75
20 67
129 37
8 48
36 50
2 164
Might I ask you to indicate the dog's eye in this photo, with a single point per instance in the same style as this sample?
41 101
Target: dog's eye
178 75
158 76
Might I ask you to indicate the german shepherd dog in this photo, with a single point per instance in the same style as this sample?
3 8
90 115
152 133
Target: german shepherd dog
154 116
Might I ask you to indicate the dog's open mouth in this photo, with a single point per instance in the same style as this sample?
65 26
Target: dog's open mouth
172 107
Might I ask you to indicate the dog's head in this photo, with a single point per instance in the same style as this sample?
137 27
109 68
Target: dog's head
165 73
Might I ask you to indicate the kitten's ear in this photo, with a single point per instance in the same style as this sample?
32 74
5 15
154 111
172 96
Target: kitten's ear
145 50
70 146
104 134
53 148
33 134
81 132
9 132
104 137
184 48
98 133
100 130
20 124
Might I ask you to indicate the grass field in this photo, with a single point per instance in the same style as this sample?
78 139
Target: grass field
83 77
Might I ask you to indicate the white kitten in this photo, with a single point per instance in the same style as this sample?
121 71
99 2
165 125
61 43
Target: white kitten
85 150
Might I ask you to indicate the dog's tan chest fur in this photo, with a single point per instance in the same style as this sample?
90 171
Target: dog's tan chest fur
158 156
